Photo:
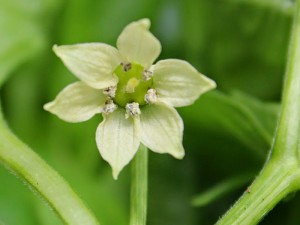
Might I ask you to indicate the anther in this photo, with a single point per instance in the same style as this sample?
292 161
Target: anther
147 74
126 66
110 91
132 109
151 96
109 107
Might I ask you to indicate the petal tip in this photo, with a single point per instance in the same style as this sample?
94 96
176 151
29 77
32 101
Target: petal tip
179 155
213 84
55 48
145 23
115 174
47 106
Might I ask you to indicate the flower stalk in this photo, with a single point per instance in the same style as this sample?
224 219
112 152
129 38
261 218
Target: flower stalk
139 187
281 174
27 165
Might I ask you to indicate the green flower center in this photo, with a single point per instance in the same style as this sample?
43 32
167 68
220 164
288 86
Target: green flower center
133 84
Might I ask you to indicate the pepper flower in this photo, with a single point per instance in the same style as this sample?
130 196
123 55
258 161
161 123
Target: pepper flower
135 96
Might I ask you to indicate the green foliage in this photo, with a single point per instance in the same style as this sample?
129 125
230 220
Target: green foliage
23 27
227 132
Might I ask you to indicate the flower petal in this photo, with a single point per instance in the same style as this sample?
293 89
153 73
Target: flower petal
77 102
178 83
93 63
117 140
162 129
137 43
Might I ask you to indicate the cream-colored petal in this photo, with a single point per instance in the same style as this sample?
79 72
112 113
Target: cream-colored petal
178 83
77 102
137 44
161 129
93 63
117 140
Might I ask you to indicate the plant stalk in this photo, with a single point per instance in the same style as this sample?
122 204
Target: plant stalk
273 184
287 137
139 187
27 165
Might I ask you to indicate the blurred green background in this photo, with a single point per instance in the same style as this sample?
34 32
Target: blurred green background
242 44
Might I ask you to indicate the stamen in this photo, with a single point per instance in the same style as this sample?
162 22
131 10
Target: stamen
132 109
151 96
109 107
126 66
147 74
110 91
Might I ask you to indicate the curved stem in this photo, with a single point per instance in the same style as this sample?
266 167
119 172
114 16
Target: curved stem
272 185
26 164
139 187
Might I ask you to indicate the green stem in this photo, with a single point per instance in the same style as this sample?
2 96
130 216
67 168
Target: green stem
287 137
26 164
281 174
273 184
139 186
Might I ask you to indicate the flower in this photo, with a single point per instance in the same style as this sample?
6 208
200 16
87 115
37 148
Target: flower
135 97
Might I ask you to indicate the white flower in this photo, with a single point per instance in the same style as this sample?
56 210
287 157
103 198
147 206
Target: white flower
135 97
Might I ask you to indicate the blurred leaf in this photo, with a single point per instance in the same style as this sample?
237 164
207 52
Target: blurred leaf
20 40
247 119
247 53
22 25
221 189
262 115
284 6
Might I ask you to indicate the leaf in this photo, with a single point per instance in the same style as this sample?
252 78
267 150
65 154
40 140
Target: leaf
22 26
245 118
285 6
248 53
221 189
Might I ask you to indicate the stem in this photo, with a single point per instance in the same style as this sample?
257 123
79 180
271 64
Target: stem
281 174
27 165
139 185
272 185
287 137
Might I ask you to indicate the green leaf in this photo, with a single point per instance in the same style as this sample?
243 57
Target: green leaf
221 189
284 6
22 25
247 53
245 118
